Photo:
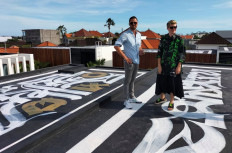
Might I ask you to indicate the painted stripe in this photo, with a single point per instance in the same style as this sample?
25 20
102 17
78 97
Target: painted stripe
220 68
97 137
59 119
14 80
114 71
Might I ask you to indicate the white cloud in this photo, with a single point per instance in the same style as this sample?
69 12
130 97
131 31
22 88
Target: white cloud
13 25
68 7
49 14
188 26
224 5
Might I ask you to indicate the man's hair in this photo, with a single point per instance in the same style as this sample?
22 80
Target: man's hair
170 23
133 17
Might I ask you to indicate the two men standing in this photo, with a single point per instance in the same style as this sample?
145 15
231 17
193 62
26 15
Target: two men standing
171 55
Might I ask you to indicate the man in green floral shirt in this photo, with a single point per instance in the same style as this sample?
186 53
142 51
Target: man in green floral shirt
171 55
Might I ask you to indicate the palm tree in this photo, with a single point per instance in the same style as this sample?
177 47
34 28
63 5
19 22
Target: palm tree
62 31
109 23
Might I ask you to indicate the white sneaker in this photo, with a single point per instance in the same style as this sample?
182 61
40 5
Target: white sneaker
134 100
127 104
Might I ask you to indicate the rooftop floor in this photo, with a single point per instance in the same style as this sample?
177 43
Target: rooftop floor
47 111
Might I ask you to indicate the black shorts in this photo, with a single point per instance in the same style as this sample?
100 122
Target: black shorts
169 84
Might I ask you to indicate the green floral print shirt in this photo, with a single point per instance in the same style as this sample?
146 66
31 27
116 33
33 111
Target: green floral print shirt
171 51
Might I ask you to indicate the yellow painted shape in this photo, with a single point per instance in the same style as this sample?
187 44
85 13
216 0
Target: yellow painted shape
90 87
94 75
31 108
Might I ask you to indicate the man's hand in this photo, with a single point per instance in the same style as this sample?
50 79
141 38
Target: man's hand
159 69
141 52
178 69
128 60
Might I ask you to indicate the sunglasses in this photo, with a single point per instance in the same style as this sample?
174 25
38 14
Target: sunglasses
174 27
133 23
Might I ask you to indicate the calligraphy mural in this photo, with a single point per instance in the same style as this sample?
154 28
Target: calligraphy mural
202 89
42 96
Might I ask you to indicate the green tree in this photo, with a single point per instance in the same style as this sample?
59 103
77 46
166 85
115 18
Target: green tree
109 22
62 31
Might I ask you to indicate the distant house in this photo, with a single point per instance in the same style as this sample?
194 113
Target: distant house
96 33
150 34
189 42
84 42
200 34
83 33
211 41
146 45
38 36
46 43
12 49
150 39
108 38
187 36
226 34
68 35
108 35
154 43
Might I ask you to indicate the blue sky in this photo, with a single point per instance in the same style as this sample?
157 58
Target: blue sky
191 15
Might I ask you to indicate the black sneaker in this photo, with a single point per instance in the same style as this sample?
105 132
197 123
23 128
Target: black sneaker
170 106
160 101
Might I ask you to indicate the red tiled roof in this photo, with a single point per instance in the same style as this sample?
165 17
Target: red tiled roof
213 38
146 44
150 34
9 50
187 36
142 33
154 43
108 34
96 33
46 43
68 35
13 46
82 33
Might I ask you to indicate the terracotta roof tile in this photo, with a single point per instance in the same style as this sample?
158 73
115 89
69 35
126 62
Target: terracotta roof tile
154 43
142 33
68 35
150 34
13 46
9 50
108 34
146 44
187 36
82 33
213 38
96 33
46 43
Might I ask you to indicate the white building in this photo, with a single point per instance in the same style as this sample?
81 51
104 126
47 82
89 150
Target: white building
212 41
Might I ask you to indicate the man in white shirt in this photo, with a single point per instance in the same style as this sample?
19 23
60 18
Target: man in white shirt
131 41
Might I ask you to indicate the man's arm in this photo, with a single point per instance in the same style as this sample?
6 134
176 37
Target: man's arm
159 55
159 66
141 51
182 53
120 52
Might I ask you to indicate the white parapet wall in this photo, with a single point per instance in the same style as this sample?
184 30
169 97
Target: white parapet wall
105 52
12 62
